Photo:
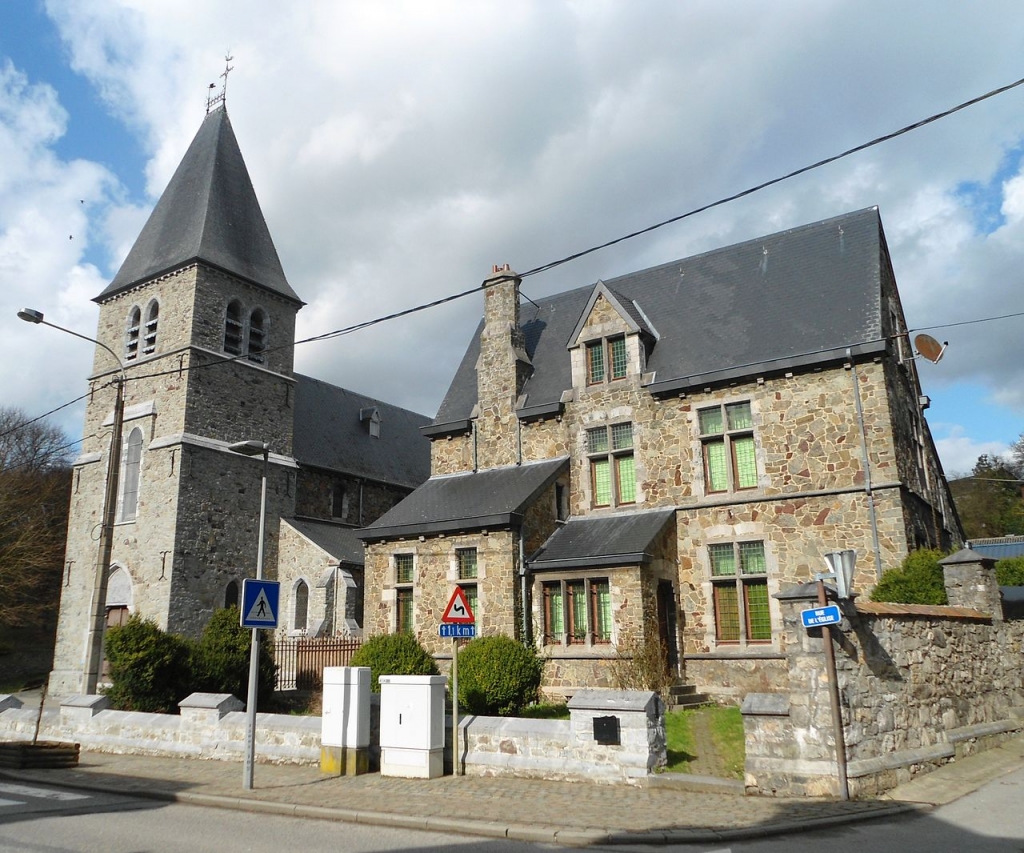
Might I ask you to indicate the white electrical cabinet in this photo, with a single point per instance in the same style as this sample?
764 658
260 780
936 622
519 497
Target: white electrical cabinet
412 725
345 720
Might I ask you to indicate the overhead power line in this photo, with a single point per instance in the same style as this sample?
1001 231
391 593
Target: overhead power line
346 330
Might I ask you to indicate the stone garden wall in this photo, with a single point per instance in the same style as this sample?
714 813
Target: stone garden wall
919 686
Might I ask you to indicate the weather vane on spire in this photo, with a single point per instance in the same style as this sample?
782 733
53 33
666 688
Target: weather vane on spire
211 99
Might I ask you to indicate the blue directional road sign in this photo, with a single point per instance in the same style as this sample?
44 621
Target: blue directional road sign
818 616
259 603
458 632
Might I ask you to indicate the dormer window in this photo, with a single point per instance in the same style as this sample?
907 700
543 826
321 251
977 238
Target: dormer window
257 335
149 338
606 360
131 337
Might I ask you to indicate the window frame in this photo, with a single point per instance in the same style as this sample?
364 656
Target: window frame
256 351
149 331
131 480
602 362
729 439
300 606
234 327
405 613
737 607
613 457
132 331
564 627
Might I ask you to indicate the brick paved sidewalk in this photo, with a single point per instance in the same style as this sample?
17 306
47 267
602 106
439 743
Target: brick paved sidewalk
563 812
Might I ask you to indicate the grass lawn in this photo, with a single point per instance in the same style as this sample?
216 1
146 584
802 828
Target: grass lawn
707 741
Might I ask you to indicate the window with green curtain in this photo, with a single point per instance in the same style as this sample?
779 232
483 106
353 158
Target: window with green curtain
470 590
554 618
723 560
467 563
403 621
578 601
727 613
403 568
617 357
738 416
711 421
626 472
759 622
752 560
717 466
597 440
595 362
746 466
602 476
602 611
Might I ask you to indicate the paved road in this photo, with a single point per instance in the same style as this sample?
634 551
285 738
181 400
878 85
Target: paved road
990 820
40 820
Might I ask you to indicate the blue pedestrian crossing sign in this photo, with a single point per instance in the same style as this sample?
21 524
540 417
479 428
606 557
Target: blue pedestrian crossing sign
259 603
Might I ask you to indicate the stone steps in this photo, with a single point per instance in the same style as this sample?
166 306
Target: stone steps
685 696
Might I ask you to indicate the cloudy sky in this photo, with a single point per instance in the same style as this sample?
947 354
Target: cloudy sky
399 149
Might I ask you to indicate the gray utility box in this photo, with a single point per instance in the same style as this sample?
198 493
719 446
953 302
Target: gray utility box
412 725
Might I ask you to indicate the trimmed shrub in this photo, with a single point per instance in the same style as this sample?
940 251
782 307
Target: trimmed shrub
498 676
918 580
1010 572
220 659
148 667
393 654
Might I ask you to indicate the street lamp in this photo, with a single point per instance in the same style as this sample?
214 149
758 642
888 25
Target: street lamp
254 448
98 610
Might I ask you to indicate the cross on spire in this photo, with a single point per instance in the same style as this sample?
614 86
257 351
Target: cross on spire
213 100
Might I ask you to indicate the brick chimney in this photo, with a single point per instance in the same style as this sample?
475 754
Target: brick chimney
501 371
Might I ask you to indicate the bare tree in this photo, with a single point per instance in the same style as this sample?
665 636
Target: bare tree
35 479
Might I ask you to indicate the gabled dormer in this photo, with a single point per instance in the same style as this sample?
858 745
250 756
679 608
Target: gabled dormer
611 341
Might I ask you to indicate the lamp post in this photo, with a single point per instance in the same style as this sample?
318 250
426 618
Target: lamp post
98 614
254 448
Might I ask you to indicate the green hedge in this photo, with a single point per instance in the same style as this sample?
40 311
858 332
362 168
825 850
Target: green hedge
149 668
220 659
1010 572
918 580
498 676
393 654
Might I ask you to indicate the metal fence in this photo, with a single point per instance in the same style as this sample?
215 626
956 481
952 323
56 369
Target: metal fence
301 662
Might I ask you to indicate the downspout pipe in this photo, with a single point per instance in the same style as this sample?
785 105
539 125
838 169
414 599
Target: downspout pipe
867 464
524 588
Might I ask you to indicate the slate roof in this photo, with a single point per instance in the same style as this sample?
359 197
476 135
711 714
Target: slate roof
781 302
495 498
602 541
329 434
209 213
999 547
337 540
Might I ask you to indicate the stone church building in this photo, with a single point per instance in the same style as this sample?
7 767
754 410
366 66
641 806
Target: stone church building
670 448
202 318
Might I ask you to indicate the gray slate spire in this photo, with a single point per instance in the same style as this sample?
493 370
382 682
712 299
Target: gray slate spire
208 213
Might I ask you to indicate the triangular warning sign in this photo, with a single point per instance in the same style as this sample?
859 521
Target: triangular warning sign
261 610
458 611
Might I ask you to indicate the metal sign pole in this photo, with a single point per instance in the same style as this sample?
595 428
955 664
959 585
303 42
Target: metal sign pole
455 708
833 697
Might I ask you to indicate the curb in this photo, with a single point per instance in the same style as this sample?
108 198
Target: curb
533 833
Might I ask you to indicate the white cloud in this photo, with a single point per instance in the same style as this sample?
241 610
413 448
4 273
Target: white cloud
959 452
400 149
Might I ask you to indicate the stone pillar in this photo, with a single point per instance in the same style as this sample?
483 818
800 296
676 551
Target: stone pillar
502 370
970 581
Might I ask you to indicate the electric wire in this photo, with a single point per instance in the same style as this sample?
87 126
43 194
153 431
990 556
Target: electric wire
346 330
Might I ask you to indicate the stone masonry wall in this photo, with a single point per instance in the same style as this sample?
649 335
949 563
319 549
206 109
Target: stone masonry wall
919 686
363 504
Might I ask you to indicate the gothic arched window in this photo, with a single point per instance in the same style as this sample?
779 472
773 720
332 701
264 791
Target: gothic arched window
130 476
149 334
257 335
131 334
233 328
231 594
301 606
